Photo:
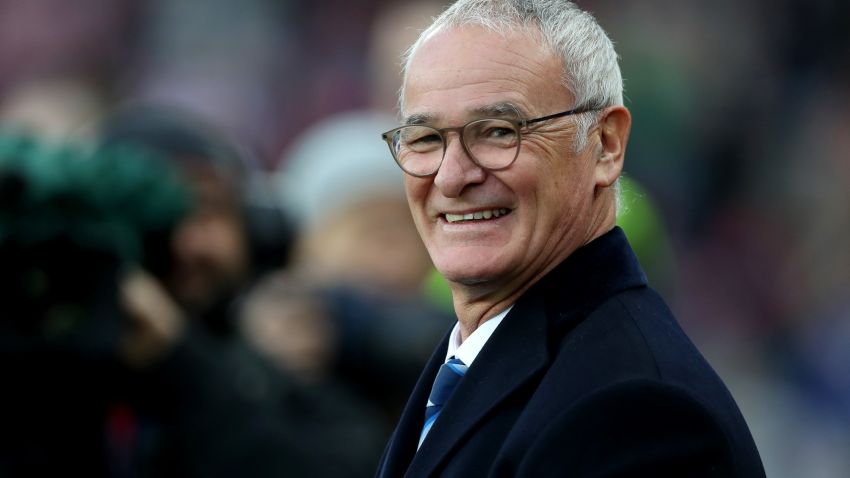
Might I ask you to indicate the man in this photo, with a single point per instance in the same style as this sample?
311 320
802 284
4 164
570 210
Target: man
564 362
210 256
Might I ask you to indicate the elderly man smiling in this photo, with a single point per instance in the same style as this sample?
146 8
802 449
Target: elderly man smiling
563 361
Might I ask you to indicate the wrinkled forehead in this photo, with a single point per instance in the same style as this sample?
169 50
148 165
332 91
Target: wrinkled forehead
471 68
500 109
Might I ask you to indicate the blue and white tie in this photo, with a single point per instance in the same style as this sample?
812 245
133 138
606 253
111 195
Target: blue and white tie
447 379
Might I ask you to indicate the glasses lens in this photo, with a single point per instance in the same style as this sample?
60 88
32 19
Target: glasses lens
493 143
418 149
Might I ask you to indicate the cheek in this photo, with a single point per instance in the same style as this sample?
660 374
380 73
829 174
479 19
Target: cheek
558 161
554 152
555 182
417 195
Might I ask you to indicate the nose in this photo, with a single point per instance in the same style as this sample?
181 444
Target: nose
457 170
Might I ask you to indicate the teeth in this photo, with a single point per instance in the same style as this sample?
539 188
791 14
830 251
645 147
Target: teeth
491 213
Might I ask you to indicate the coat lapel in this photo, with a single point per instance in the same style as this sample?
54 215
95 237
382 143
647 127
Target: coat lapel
515 353
402 445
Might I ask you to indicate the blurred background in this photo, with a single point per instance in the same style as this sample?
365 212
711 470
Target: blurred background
206 260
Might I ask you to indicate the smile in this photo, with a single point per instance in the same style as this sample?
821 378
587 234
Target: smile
477 215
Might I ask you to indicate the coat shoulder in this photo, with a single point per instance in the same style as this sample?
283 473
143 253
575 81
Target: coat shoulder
626 382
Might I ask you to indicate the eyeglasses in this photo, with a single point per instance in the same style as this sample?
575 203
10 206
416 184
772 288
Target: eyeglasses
490 143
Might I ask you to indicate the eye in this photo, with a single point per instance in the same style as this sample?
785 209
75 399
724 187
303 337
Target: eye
497 132
418 139
494 132
424 139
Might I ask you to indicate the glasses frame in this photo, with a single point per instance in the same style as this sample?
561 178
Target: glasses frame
518 124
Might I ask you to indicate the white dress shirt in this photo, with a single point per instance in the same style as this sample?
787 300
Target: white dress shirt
468 350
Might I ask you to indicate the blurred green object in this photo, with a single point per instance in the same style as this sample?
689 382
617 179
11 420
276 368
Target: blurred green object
437 292
105 200
648 236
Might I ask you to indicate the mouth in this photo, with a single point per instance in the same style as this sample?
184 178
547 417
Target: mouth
483 215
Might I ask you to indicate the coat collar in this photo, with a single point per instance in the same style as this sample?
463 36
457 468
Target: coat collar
517 352
588 277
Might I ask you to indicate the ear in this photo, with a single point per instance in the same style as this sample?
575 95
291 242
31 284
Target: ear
614 129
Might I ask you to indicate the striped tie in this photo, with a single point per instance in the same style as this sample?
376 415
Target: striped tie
447 379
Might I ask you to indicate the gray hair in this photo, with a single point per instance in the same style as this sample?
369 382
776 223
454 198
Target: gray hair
591 72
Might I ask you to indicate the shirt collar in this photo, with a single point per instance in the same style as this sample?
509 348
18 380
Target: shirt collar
468 350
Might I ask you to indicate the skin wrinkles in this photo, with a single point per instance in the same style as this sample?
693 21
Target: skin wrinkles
481 93
527 65
559 200
499 110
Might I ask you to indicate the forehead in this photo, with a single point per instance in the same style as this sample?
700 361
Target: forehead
460 71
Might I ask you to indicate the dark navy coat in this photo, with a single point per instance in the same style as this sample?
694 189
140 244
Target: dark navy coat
589 375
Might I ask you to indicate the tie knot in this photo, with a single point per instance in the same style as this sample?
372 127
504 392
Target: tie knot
447 379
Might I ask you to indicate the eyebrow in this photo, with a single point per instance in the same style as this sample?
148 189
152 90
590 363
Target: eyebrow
419 119
496 110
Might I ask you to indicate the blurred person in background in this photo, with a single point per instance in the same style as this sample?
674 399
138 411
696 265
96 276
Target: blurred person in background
53 109
63 63
395 26
356 240
512 141
233 234
291 323
71 244
287 319
350 208
107 375
239 408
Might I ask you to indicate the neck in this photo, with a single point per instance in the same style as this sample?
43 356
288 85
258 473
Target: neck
471 312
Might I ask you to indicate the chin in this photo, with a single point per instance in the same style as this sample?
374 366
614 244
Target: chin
470 269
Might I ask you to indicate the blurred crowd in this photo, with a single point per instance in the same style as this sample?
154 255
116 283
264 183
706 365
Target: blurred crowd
208 266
